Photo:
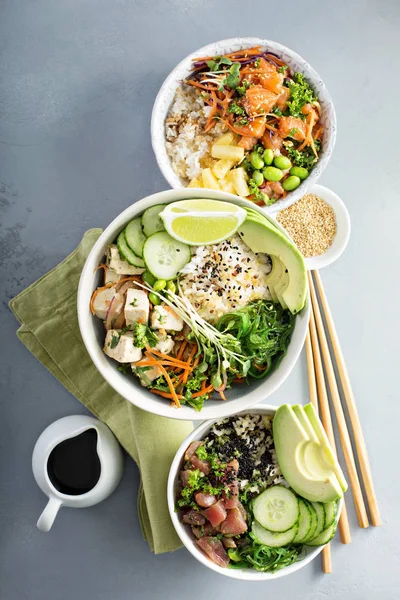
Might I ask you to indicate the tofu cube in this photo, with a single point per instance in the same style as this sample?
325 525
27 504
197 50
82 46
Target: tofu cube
146 374
165 344
120 347
137 307
102 302
163 317
115 262
111 276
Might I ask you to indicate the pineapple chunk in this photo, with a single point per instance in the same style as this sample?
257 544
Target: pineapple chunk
226 186
221 168
238 178
195 183
226 139
209 181
235 153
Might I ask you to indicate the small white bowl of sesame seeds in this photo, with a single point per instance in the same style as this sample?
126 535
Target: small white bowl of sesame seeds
319 224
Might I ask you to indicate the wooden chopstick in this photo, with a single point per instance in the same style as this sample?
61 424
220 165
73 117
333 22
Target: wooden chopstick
361 449
344 527
341 421
326 550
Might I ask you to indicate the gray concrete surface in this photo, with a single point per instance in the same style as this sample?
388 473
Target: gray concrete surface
78 79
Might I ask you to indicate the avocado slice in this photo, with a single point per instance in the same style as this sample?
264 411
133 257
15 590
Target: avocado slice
274 276
262 236
300 459
328 454
302 417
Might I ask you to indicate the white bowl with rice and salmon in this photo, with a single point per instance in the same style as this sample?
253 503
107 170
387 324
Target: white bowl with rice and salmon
246 116
194 306
255 496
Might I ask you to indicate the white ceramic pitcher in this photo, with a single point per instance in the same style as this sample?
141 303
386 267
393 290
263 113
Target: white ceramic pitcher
110 457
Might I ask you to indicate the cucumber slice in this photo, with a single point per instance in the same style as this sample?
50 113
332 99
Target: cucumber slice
324 537
330 513
320 510
151 221
164 256
276 509
274 540
305 521
126 253
135 237
314 521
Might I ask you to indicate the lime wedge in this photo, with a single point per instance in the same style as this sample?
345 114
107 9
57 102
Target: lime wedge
202 205
202 222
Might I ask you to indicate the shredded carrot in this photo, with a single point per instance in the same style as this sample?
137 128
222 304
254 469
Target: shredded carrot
130 278
165 394
170 385
318 132
181 349
177 363
221 393
155 363
202 86
260 368
270 127
238 380
308 138
277 60
101 266
246 53
207 390
196 362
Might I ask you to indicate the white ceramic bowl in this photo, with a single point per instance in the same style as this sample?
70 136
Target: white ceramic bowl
184 531
92 330
294 61
343 230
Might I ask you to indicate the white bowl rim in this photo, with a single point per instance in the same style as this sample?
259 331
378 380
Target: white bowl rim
343 231
171 81
244 574
121 384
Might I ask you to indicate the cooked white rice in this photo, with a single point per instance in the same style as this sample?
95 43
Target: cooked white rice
225 277
249 439
186 142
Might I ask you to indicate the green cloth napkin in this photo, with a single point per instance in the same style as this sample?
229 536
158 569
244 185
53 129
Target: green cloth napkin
49 329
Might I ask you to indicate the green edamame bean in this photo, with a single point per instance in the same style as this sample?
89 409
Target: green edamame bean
268 157
159 285
154 299
148 278
291 183
258 177
256 160
299 172
282 162
272 174
171 287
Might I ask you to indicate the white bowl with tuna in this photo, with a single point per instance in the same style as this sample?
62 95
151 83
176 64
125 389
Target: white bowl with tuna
239 397
192 156
185 531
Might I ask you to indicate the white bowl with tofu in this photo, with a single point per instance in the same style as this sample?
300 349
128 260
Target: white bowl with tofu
121 350
166 98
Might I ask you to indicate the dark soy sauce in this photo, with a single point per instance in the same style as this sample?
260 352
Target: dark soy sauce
74 466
